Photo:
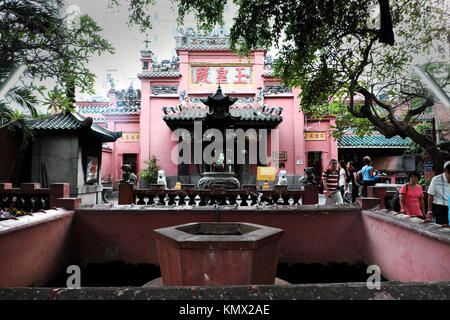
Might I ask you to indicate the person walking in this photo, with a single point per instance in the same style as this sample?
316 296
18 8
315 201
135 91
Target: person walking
330 178
352 174
411 197
438 192
367 172
343 180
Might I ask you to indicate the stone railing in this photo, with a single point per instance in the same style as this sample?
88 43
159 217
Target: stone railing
189 196
30 197
385 194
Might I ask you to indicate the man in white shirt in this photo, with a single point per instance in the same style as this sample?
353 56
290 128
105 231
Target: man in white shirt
438 192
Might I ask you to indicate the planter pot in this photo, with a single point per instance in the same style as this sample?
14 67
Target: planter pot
144 184
207 254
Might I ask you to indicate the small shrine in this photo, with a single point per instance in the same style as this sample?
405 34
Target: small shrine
68 148
220 114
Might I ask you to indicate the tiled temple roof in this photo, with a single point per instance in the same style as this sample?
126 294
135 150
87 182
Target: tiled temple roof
73 122
99 119
374 141
159 75
202 47
243 114
107 110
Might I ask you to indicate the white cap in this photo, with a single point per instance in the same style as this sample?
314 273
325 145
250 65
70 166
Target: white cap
446 164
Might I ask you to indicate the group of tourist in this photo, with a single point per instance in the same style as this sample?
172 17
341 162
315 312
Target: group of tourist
341 179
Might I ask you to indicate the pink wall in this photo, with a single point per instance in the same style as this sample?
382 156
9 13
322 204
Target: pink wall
107 163
406 251
320 237
35 253
160 135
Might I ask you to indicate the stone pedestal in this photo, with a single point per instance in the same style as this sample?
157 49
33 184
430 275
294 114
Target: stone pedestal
208 254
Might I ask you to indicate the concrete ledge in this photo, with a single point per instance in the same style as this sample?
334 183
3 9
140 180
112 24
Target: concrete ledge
429 230
337 291
279 209
37 218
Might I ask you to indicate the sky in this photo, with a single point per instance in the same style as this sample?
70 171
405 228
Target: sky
124 65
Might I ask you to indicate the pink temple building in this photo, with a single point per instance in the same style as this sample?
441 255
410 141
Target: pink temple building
172 96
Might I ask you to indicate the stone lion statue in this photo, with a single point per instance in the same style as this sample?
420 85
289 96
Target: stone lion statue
282 179
309 177
162 178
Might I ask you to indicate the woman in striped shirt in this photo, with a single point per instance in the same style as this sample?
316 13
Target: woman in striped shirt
330 179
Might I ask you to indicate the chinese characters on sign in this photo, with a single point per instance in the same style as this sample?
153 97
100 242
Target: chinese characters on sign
129 137
280 159
265 173
315 135
213 75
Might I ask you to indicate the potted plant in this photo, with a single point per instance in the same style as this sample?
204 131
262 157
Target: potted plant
149 175
424 183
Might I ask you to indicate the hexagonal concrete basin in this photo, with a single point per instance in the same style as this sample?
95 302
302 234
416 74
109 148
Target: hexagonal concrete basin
205 253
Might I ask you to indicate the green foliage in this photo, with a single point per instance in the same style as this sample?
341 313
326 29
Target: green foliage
415 150
36 35
151 172
424 182
15 120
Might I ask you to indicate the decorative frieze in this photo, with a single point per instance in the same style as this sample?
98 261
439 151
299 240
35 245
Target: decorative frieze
156 90
276 89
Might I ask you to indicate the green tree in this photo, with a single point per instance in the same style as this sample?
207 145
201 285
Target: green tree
36 34
331 50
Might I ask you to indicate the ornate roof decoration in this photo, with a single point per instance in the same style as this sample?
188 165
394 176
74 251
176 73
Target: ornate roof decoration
218 102
128 98
73 122
146 52
216 40
219 111
167 65
373 141
198 40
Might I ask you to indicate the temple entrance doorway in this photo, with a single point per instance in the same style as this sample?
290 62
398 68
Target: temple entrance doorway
131 159
315 161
